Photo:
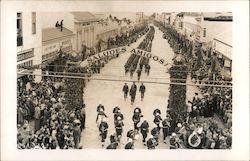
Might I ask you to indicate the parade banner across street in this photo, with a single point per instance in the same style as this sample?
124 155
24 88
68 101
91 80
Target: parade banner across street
149 55
121 50
98 56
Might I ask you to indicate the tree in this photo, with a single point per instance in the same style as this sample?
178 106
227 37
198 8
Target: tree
74 89
178 74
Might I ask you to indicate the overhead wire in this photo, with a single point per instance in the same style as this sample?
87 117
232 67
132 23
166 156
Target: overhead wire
126 80
172 79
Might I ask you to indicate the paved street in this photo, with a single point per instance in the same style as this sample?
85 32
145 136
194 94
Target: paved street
110 94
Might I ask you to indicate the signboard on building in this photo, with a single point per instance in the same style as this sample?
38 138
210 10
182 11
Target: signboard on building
66 45
25 55
50 48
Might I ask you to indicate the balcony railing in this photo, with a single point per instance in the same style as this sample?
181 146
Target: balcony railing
19 41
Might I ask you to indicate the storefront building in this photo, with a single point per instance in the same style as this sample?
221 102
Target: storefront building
222 46
84 29
53 39
28 41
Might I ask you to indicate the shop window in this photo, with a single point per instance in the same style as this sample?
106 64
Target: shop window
19 30
33 22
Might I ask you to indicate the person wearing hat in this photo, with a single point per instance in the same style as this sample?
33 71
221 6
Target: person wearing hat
125 90
155 133
173 141
100 116
137 118
116 109
157 120
117 113
131 133
130 144
151 142
156 111
99 107
195 100
165 129
118 127
113 145
113 136
144 130
37 116
103 128
77 133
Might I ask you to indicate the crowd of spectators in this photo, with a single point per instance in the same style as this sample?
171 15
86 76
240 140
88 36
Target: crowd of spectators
55 125
206 74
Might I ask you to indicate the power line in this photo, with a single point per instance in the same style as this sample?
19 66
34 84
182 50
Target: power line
126 80
172 79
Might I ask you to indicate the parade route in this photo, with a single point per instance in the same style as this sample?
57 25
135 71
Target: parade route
110 94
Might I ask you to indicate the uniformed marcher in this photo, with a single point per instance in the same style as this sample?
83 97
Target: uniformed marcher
113 137
144 130
157 118
126 67
142 89
113 145
100 116
138 74
125 90
173 141
137 118
165 129
155 133
151 142
103 128
131 133
118 127
130 144
134 86
133 92
147 69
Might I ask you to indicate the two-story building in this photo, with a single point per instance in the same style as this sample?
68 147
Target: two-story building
29 44
84 29
222 46
57 33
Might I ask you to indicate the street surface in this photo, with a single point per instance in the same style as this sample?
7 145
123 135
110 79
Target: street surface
110 94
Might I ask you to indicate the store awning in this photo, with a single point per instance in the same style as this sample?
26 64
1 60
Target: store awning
23 73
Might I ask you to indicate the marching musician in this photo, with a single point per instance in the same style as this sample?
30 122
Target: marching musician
144 130
103 128
151 143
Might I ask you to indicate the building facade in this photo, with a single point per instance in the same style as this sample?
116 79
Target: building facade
84 29
222 47
53 40
192 26
28 40
57 33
